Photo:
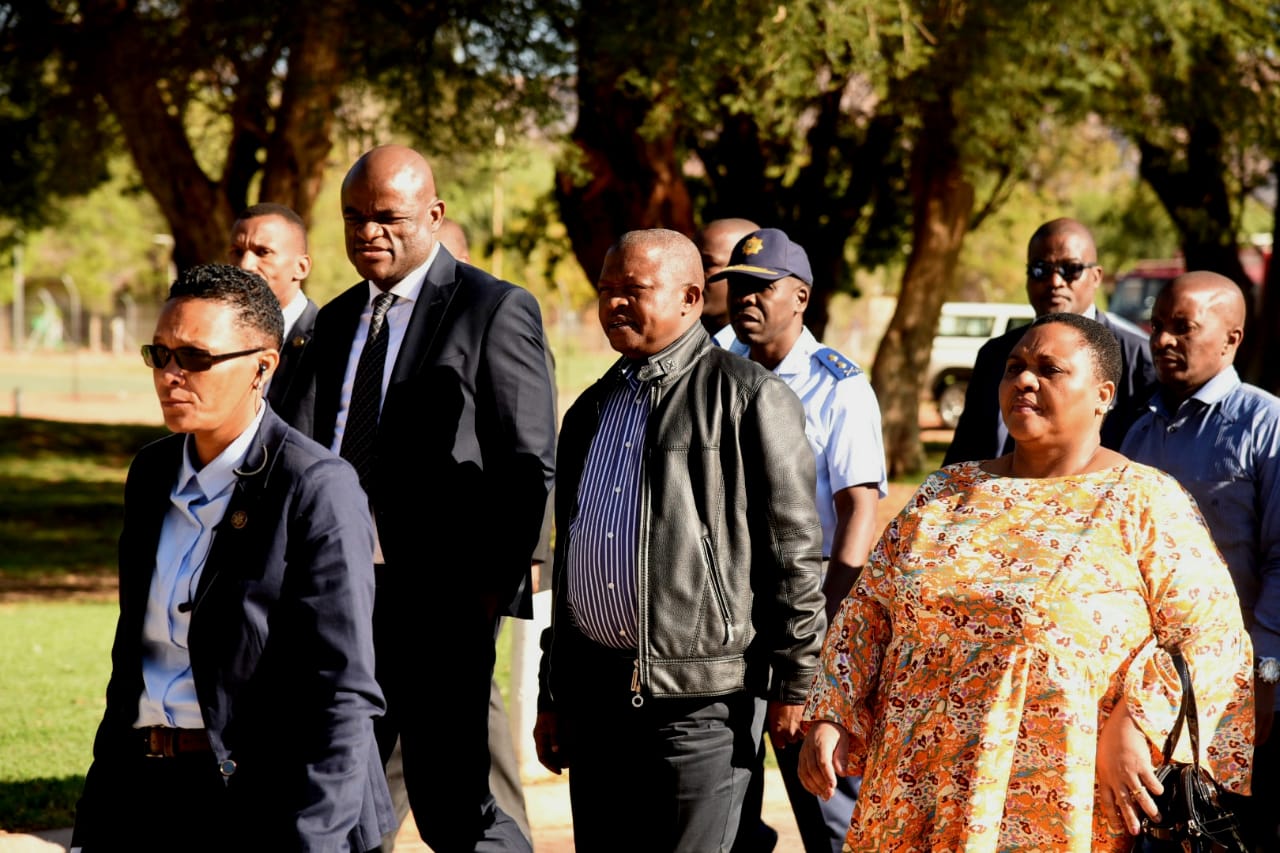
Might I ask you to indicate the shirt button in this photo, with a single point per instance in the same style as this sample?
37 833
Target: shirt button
617 490
609 535
622 633
610 584
626 444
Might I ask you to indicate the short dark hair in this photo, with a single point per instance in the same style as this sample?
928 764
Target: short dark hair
268 208
1103 347
256 307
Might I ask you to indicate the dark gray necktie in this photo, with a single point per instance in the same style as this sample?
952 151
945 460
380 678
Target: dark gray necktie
366 394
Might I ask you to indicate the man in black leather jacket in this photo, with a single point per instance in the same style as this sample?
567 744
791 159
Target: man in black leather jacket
686 580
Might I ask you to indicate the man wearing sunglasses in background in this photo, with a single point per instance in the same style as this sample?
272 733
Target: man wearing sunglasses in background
242 694
1062 277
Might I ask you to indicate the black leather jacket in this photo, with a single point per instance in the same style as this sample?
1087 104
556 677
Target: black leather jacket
730 546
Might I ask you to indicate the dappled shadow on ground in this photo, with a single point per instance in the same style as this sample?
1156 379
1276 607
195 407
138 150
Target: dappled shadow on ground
34 804
52 528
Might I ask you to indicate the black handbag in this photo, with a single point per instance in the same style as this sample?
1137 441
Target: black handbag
1197 815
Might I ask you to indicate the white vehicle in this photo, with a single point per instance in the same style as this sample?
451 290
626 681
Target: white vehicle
963 328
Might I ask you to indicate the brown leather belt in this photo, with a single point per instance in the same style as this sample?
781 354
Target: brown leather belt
161 742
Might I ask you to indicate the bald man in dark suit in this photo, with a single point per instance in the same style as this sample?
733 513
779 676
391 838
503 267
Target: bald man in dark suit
431 378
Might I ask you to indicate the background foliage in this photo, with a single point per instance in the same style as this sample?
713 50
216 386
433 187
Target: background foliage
910 146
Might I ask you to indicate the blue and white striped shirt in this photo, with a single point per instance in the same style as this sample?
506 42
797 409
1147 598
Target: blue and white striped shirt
604 537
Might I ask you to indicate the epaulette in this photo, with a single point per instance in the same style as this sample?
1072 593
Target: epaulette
839 366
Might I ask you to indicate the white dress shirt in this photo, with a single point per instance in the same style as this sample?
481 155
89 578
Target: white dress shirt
292 312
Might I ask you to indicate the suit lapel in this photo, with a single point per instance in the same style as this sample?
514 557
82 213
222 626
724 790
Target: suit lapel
438 291
335 331
244 514
291 351
143 522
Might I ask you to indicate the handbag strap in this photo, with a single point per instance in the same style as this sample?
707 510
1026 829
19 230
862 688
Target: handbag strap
1186 713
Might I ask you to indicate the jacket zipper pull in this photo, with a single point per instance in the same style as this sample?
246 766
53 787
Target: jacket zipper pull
636 699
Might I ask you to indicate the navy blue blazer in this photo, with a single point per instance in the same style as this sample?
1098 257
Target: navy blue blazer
281 645
466 438
292 389
976 435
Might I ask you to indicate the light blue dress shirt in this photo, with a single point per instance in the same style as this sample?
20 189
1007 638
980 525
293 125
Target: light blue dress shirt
726 338
1223 445
841 422
604 535
197 503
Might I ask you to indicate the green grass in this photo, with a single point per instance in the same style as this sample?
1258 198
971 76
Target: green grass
55 660
61 489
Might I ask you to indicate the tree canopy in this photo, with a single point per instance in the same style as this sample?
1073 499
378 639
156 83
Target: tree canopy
880 134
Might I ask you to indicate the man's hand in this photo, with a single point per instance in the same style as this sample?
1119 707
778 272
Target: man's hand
823 756
547 737
783 724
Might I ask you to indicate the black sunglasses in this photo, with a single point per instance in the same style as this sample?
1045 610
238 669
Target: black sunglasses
189 359
1044 270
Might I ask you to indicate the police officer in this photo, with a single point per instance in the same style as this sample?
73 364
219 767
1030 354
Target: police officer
770 281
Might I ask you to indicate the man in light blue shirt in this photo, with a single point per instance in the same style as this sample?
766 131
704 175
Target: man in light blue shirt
1220 438
769 280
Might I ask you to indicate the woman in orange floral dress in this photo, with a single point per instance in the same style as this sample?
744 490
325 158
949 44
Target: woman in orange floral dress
998 675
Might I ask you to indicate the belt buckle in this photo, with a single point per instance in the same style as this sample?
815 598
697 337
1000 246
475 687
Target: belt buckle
159 744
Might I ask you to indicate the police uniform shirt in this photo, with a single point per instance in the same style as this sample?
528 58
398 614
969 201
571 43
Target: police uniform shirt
842 422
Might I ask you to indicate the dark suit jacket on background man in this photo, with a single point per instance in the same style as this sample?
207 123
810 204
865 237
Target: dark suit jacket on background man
291 392
1063 275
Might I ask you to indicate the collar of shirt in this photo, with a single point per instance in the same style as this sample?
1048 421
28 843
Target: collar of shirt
1091 312
410 286
293 311
1205 396
795 362
220 474
727 338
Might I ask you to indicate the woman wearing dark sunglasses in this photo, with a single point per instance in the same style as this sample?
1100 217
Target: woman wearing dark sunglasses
242 694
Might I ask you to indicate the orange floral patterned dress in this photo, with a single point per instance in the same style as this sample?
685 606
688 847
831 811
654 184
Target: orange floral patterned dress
996 625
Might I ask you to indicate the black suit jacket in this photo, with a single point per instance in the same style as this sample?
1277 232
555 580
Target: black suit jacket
466 438
292 389
976 435
281 646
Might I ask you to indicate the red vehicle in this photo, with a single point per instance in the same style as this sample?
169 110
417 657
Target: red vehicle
1135 289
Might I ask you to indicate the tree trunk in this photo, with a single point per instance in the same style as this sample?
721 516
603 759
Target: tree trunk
942 204
1192 188
200 210
621 180
629 183
303 134
1265 368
